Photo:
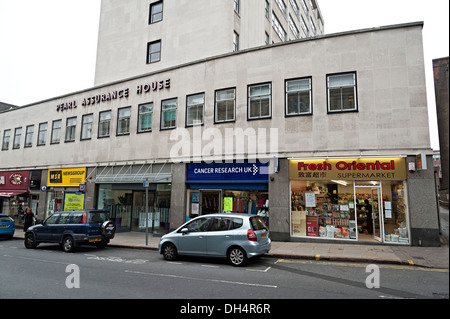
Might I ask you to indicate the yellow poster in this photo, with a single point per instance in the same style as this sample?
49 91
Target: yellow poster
67 177
228 204
73 202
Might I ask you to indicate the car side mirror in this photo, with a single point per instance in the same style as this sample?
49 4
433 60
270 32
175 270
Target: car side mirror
184 231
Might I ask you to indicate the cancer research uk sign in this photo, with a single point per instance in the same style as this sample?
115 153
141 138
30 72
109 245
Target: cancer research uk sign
235 171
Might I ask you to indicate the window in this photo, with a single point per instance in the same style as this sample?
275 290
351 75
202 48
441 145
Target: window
220 224
123 121
56 132
267 38
42 134
6 140
29 136
235 42
282 6
225 105
17 137
298 97
236 6
70 129
156 12
169 114
154 52
145 118
259 101
267 8
195 108
342 92
294 28
278 27
104 124
199 225
86 128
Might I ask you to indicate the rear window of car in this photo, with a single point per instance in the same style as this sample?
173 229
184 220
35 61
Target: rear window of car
97 217
4 219
258 223
236 223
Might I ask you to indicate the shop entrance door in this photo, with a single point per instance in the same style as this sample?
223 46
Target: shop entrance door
211 202
372 193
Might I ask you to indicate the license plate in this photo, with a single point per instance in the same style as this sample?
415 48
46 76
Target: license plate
95 240
3 226
264 236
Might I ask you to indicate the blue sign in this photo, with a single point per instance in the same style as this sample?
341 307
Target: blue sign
235 171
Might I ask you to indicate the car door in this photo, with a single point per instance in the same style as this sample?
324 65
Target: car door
44 232
193 241
59 229
219 237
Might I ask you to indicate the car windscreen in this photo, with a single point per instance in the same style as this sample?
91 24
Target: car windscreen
258 223
4 219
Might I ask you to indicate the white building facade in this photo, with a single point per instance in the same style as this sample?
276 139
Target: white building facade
302 133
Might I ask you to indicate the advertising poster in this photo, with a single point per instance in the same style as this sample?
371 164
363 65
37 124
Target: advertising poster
73 201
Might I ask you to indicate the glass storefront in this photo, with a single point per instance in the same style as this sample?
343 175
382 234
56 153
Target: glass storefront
343 209
127 206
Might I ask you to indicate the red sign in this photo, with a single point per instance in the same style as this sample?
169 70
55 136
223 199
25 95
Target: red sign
14 180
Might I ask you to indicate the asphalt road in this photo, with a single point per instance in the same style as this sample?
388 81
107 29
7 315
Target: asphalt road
116 273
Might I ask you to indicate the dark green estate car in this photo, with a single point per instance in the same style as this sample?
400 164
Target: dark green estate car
72 229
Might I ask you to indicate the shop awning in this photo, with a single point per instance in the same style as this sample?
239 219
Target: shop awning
9 194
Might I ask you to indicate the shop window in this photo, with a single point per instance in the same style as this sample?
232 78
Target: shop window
123 121
298 97
342 93
225 106
104 125
56 131
154 52
86 129
169 114
29 136
42 134
259 101
145 118
6 140
156 12
195 109
70 129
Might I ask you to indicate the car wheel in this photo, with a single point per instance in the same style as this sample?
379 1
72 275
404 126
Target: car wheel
237 256
30 241
68 244
169 252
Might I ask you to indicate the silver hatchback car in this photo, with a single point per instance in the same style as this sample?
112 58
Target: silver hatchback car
236 237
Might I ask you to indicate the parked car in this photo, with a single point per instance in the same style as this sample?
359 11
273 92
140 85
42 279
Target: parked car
7 226
72 229
236 237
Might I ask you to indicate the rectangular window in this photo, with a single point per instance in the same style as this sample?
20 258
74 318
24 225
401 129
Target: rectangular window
169 114
17 137
6 140
342 93
267 9
29 136
42 135
104 124
86 129
123 121
195 109
71 127
225 105
298 97
56 131
259 101
236 6
156 12
235 42
154 52
145 118
278 27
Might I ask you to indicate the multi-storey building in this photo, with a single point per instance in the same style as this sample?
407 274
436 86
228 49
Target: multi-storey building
138 37
312 134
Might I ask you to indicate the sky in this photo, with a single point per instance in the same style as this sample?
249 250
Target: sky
48 47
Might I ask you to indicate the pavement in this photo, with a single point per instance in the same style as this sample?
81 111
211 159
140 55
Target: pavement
428 257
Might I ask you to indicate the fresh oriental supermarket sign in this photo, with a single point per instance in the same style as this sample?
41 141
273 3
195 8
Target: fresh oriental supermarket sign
356 169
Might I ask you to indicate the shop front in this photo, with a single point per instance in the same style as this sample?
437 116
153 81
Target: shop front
228 188
136 196
363 199
65 190
14 194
